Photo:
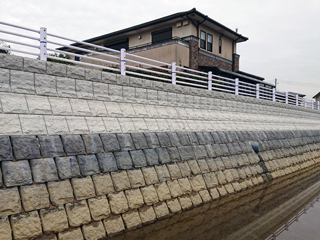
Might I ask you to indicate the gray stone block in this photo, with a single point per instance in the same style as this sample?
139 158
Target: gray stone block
210 151
163 139
67 167
174 154
11 61
152 140
224 149
84 89
174 139
51 146
93 74
25 147
88 165
164 156
4 80
123 160
57 69
208 139
216 137
93 143
223 137
138 159
200 151
5 149
139 140
107 162
186 153
109 77
34 65
231 149
16 173
66 87
46 85
110 142
73 145
201 138
75 72
151 156
125 141
44 170
184 139
237 148
193 138
22 82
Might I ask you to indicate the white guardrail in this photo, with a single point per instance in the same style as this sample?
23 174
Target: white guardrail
49 46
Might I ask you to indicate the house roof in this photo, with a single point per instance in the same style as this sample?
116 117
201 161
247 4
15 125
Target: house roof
192 14
317 95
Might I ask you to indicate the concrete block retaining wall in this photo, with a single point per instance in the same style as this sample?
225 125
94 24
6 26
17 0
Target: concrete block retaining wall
89 153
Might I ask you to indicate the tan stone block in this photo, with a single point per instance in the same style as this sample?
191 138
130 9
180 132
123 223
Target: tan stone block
196 199
60 192
78 213
99 208
72 234
236 186
5 229
48 237
94 231
221 178
228 175
120 181
150 195
118 203
134 197
243 184
203 166
113 225
205 196
197 183
210 179
260 179
214 193
9 202
132 220
229 188
54 220
248 182
161 210
175 188
136 178
150 175
242 174
174 205
147 215
163 191
163 173
25 226
185 202
255 181
185 185
83 188
184 169
103 184
222 191
193 164
34 197
174 171
235 174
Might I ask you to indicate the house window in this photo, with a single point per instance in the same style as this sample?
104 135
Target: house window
209 42
161 35
203 40
220 45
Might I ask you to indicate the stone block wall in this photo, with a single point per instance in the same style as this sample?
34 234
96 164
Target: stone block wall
86 154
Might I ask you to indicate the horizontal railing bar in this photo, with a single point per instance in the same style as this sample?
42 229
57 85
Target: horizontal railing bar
24 44
217 80
224 86
146 64
20 51
220 77
17 26
245 83
148 76
191 79
223 90
247 87
247 94
148 70
19 35
191 84
148 59
191 70
192 75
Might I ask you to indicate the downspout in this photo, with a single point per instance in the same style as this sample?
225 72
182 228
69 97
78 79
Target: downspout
233 52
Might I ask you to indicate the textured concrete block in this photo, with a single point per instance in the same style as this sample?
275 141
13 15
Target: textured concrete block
4 80
163 191
67 167
80 107
164 139
126 125
34 197
210 180
210 151
9 202
97 108
113 225
125 141
152 140
185 185
60 106
139 140
5 229
88 165
147 215
99 208
175 189
93 143
100 91
184 169
123 160
206 198
25 147
136 178
161 210
5 149
150 195
78 213
26 226
11 61
110 142
34 65
60 192
174 206
174 139
72 234
174 171
107 162
33 125
185 202
16 173
84 89
134 197
54 220
75 72
77 125
96 125
103 184
186 153
57 69
151 156
184 139
163 173
118 202
174 154
204 168
73 144
138 159
164 156
150 175
22 82
45 85
94 231
92 74
197 183
10 124
66 87
196 199
14 103
120 180
83 188
127 110
132 220
200 151
44 170
51 146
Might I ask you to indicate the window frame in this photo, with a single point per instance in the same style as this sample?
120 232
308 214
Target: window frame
220 45
155 35
203 42
209 49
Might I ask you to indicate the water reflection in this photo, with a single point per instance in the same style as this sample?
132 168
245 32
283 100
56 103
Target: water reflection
255 213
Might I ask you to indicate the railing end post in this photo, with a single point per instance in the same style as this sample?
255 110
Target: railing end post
210 81
236 86
43 44
174 73
123 61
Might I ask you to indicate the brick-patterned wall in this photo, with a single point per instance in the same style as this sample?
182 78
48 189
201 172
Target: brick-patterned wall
236 60
212 62
193 54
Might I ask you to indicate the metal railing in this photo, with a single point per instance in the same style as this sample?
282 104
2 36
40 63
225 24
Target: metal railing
48 47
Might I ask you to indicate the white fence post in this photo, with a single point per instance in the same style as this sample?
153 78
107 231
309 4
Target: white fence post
210 81
287 97
257 90
174 73
297 100
273 94
236 86
318 105
43 44
123 61
305 102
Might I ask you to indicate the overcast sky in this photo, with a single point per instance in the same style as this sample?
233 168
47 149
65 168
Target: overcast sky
284 35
